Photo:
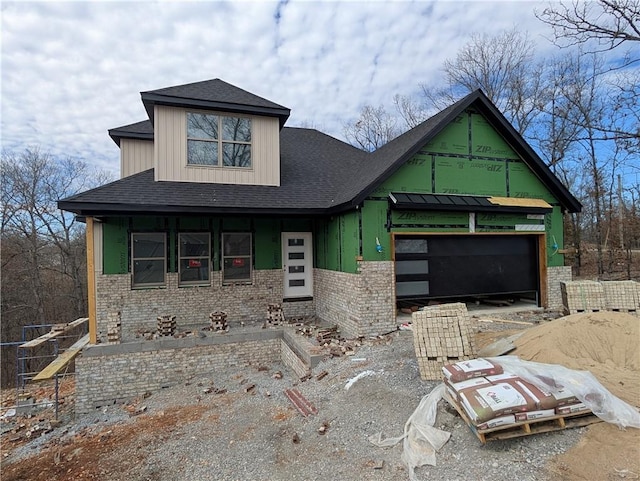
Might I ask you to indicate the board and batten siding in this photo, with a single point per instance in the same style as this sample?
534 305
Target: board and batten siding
170 152
135 156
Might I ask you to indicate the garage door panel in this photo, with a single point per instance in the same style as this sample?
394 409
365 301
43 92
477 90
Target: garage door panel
449 266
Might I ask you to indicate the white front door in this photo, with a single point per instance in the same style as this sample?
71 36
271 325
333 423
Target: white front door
297 262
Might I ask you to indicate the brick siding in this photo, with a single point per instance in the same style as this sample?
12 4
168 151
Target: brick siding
140 308
361 304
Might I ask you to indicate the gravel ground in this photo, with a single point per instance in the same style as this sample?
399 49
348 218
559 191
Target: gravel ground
195 431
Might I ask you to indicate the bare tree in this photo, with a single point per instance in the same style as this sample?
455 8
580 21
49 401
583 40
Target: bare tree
503 66
40 242
411 111
374 128
610 23
43 249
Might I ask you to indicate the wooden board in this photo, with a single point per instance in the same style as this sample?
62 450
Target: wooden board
501 346
62 360
525 428
53 334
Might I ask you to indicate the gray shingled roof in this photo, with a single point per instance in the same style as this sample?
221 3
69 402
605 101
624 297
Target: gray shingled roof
214 94
140 130
319 174
312 165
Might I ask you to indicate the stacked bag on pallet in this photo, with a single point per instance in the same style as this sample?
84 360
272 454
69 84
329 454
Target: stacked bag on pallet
492 396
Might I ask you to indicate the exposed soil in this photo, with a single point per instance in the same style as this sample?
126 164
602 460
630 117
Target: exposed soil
607 345
191 431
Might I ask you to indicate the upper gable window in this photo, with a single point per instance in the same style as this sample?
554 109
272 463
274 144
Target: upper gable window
218 141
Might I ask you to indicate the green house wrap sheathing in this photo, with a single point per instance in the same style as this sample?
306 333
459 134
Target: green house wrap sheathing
374 220
115 232
468 157
485 141
414 176
555 237
454 138
267 244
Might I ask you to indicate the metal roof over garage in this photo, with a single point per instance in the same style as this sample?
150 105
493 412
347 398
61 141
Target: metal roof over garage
467 203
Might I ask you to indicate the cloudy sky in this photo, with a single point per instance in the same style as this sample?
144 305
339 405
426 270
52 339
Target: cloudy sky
73 70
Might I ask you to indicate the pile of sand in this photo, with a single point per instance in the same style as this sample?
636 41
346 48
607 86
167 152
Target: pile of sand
605 343
608 345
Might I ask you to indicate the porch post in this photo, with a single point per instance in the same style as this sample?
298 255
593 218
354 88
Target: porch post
91 284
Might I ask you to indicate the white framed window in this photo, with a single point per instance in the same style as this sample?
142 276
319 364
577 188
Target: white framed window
236 257
148 259
194 258
218 140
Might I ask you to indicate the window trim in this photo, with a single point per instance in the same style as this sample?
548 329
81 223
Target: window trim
146 285
206 282
219 141
223 257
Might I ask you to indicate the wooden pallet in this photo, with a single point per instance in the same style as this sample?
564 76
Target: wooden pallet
525 428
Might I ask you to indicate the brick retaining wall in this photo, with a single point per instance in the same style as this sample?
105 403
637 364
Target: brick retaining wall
108 374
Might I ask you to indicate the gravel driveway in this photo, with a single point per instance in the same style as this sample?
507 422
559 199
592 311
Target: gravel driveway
221 428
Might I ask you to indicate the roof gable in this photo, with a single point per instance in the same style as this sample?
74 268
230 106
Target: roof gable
388 159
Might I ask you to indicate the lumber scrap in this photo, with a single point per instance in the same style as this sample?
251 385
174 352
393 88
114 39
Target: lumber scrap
53 334
501 346
60 362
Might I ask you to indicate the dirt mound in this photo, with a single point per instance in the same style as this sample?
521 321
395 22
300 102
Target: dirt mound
604 343
608 345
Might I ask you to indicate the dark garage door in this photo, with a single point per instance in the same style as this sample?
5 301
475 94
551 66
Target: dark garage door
460 266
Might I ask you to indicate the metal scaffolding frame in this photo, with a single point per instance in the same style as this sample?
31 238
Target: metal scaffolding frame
39 347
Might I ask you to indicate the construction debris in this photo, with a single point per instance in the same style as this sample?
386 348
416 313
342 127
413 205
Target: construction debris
354 379
275 316
323 427
325 334
166 325
301 403
114 328
218 321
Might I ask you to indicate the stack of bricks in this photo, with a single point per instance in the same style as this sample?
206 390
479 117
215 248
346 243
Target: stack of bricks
441 335
114 328
166 325
275 316
582 296
218 321
622 296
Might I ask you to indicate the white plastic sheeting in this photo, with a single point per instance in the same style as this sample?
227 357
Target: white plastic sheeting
421 440
582 384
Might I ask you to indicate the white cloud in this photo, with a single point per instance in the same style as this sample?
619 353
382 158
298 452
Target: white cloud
71 71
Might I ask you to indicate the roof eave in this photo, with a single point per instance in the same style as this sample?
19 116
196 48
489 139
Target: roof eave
100 209
151 99
117 135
